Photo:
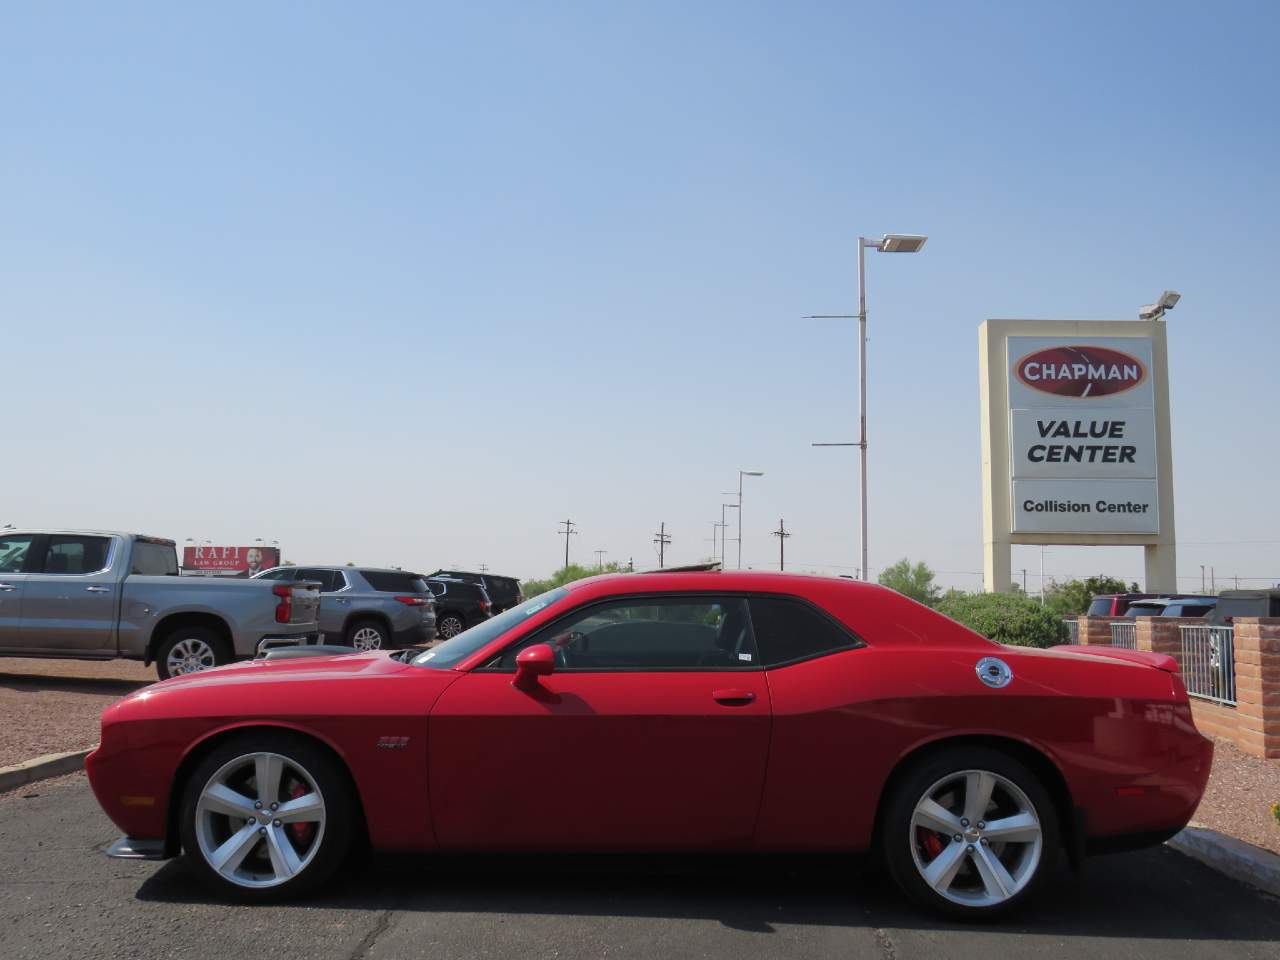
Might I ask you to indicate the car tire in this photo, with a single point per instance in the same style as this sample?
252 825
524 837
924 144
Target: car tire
240 846
960 856
449 626
368 635
190 650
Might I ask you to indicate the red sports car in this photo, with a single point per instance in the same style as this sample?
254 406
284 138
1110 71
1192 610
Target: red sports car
666 711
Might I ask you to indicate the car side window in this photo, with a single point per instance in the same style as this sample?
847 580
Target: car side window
72 554
789 630
339 581
13 552
283 573
650 634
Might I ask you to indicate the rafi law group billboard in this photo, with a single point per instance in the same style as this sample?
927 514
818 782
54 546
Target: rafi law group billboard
229 561
1075 440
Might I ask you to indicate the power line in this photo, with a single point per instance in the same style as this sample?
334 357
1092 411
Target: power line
662 538
567 532
781 534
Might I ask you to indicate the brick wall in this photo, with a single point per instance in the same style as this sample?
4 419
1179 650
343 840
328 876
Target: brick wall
1253 724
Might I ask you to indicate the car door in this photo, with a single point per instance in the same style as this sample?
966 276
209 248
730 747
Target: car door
651 733
72 597
15 554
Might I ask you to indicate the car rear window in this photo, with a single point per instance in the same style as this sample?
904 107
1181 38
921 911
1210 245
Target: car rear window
1100 607
791 630
154 560
391 581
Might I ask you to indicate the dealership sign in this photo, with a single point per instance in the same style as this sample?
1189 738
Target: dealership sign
1082 435
229 561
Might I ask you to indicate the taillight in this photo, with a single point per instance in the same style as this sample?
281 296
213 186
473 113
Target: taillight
414 601
284 609
485 604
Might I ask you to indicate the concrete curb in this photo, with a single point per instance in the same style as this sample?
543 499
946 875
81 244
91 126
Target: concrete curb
42 768
1237 859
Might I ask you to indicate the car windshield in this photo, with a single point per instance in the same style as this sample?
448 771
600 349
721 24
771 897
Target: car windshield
449 654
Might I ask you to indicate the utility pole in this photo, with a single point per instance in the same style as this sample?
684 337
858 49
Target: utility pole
1213 582
1202 578
567 532
484 568
1024 581
1042 576
600 558
631 565
662 539
781 534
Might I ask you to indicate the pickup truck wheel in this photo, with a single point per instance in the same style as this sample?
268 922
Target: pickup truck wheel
190 650
266 816
368 635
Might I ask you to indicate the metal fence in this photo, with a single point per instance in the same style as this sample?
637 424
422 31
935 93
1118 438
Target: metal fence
1125 635
1209 663
1072 627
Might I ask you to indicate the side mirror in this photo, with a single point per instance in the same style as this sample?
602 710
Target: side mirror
533 662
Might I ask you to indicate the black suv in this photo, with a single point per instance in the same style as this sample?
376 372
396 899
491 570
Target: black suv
503 591
459 605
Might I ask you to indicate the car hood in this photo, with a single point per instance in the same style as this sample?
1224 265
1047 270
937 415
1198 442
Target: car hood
303 668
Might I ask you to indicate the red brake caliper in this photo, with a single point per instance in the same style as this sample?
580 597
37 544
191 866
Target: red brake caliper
932 844
302 832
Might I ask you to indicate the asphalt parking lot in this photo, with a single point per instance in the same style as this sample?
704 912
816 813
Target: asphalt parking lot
62 898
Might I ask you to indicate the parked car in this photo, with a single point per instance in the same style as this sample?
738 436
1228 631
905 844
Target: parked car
668 711
1171 607
92 595
368 608
1115 604
459 605
1244 603
504 592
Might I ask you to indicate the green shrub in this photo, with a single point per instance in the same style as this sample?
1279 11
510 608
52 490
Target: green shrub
1004 618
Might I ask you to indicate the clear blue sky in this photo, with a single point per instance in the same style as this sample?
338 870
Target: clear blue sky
411 283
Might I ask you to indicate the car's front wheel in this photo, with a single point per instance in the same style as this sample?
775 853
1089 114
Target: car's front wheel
266 816
971 833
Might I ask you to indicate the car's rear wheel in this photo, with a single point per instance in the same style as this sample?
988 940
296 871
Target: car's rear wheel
971 833
266 816
450 625
190 650
368 635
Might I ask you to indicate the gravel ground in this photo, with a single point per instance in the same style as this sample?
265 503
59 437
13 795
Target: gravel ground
1239 797
52 706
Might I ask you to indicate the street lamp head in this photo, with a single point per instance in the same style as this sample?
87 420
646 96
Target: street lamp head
1154 311
901 243
752 473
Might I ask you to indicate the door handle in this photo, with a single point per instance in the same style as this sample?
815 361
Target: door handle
7 587
98 589
733 698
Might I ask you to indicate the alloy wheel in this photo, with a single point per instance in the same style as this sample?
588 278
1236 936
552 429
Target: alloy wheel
976 838
367 638
449 627
190 656
260 820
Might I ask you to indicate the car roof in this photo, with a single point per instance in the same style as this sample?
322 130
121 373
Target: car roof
87 533
652 581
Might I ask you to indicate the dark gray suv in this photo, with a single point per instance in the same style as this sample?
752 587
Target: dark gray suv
368 608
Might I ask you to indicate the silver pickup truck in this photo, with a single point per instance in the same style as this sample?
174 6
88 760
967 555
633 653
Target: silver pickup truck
94 595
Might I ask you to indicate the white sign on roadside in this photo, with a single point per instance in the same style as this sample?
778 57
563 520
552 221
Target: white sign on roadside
1082 416
1075 441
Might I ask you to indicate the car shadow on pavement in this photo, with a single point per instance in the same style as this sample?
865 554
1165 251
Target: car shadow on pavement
1156 894
36 683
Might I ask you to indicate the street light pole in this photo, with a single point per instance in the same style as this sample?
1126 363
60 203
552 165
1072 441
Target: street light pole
724 530
889 243
741 474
